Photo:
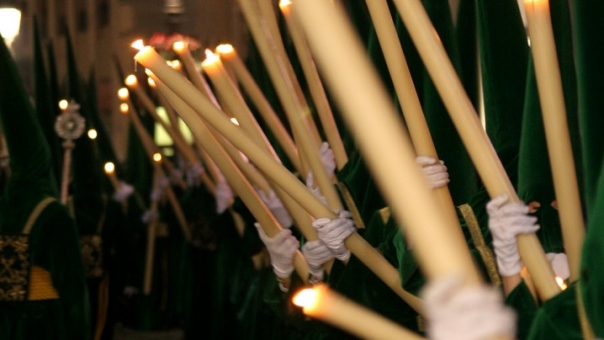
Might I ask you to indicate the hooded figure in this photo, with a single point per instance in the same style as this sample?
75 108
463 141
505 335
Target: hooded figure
42 289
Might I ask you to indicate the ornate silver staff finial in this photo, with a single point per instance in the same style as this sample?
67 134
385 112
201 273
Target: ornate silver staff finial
69 125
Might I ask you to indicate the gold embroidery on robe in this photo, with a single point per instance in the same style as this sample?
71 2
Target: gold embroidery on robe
14 267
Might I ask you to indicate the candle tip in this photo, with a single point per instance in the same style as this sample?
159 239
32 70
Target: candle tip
124 108
157 157
305 298
123 93
92 134
63 103
109 168
284 3
179 46
131 80
224 48
138 44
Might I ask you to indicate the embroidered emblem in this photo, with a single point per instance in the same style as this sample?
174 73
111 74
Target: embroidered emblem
92 255
14 267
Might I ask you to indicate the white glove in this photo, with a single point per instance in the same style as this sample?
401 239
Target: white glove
559 263
224 196
276 207
506 221
310 184
328 159
193 173
454 312
123 192
435 171
281 249
175 176
149 216
334 232
316 254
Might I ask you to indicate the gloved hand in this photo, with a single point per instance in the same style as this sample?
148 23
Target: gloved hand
316 254
162 184
175 176
435 171
149 216
328 159
274 204
454 312
123 192
333 233
281 249
559 263
310 184
193 173
506 221
224 196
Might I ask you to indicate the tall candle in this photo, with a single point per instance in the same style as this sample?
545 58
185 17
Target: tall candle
322 303
234 63
405 90
470 130
110 172
316 87
551 95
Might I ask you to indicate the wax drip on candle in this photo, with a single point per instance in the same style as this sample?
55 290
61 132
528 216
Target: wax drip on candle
139 45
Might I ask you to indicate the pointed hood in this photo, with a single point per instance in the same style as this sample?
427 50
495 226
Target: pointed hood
30 158
46 106
503 62
589 47
86 166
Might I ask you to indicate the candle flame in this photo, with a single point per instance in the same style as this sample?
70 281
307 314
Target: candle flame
560 282
138 44
175 64
92 134
109 168
124 108
157 157
151 82
179 46
131 80
63 103
224 49
123 93
211 58
305 298
234 120
284 3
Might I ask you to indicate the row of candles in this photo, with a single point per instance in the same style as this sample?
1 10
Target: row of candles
320 302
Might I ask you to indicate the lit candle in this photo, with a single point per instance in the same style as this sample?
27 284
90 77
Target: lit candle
187 97
92 134
321 303
224 86
316 87
551 95
470 130
235 64
110 172
338 50
182 50
132 82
